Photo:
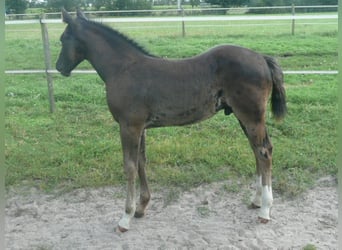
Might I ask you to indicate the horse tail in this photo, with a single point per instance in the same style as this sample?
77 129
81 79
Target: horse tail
278 97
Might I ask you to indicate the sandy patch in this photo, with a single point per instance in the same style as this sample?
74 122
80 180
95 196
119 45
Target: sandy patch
207 217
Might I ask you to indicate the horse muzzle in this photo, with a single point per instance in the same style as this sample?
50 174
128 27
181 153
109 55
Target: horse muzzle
64 73
61 70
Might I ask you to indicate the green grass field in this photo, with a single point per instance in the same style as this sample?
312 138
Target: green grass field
79 146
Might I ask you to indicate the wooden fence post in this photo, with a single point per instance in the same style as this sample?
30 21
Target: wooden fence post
181 13
47 57
293 20
183 23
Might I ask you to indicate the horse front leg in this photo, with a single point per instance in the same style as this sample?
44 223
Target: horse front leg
130 140
145 195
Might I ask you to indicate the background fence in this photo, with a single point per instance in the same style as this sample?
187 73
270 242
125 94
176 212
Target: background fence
182 17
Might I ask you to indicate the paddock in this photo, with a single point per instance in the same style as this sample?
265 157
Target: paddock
53 151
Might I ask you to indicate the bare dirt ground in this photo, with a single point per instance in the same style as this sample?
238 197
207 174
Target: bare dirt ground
207 217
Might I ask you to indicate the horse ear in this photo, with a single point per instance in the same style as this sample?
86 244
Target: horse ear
66 17
80 14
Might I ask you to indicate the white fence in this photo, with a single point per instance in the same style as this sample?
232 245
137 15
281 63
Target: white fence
49 70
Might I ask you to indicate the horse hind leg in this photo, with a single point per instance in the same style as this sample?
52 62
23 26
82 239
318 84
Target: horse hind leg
145 195
263 154
262 148
265 163
256 203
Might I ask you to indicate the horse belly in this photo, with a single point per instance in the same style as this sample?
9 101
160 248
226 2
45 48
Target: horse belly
183 92
178 115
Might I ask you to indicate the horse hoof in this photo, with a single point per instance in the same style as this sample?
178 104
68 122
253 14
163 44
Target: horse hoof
121 229
139 214
253 206
263 220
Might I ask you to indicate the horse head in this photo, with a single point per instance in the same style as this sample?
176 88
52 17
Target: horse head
73 50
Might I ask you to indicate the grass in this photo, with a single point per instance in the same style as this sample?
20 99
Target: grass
79 146
309 247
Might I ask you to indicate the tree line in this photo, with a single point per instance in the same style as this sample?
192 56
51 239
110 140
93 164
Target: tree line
20 6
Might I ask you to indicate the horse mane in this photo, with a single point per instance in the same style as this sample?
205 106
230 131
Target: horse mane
111 35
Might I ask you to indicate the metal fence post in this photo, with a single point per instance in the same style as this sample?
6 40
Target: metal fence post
47 57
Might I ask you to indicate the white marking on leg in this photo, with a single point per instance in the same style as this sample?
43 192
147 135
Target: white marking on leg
266 202
125 220
257 198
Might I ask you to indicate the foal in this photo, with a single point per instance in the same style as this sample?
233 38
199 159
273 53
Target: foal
144 91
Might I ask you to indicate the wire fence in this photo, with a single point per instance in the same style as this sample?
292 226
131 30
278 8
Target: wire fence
185 19
44 20
203 9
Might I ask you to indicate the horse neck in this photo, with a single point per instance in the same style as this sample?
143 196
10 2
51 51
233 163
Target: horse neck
109 58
